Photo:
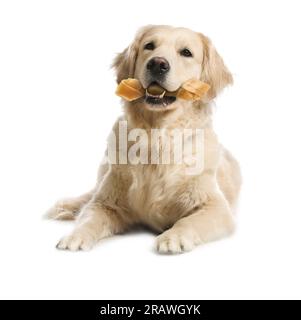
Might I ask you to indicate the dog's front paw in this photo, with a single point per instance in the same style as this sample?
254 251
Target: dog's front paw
78 240
174 241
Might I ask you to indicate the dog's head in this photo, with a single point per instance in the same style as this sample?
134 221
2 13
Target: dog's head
168 57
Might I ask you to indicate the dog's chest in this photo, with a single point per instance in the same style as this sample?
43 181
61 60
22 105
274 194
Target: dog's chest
158 192
153 195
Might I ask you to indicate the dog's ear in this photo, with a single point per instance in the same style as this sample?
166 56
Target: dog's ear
124 63
214 71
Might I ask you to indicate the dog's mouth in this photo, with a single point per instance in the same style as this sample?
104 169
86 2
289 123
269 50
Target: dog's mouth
157 96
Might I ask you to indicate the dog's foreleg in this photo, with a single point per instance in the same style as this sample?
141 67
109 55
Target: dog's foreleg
94 223
213 221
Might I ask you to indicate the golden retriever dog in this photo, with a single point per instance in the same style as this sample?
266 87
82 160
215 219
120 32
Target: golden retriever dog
185 209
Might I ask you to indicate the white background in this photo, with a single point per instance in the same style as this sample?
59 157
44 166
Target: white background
57 106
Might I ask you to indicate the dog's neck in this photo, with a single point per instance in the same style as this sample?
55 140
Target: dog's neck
186 115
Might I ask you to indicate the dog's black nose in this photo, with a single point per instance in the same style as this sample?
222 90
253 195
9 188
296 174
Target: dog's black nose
158 66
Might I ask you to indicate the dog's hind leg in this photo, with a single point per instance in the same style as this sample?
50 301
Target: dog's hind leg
68 209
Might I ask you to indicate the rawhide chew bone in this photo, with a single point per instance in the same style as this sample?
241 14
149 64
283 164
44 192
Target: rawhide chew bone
193 90
131 89
155 90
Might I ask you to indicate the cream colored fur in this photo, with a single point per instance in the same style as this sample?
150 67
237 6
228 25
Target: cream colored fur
186 210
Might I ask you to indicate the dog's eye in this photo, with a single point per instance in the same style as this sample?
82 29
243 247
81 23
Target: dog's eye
149 46
186 53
